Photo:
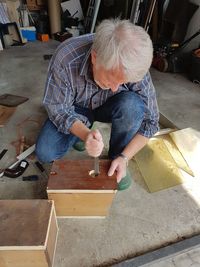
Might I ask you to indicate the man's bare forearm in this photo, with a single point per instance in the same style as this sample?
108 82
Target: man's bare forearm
137 143
80 130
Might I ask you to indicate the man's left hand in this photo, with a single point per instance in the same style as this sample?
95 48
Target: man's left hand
118 165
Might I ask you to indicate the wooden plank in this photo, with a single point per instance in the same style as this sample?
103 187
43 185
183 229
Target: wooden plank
5 114
82 217
27 258
51 238
81 191
82 204
188 142
74 175
24 222
157 166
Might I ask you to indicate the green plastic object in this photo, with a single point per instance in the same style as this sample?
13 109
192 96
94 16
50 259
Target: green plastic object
79 146
125 182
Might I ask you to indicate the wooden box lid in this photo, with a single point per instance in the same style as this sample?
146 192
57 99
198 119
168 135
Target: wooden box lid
24 222
74 175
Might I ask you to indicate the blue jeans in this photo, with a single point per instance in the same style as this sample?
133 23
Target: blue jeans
124 110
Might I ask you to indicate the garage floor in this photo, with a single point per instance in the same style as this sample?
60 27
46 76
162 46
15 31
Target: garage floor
138 221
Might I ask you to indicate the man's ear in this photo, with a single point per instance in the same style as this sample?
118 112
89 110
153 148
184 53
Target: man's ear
93 57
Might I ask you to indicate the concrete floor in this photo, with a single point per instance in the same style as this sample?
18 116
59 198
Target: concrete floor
138 221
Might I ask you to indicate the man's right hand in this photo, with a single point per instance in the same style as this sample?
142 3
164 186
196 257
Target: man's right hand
94 143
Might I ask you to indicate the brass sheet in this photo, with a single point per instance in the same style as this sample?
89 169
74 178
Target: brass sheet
176 154
157 166
188 142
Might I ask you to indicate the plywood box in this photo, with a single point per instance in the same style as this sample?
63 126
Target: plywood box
28 233
76 193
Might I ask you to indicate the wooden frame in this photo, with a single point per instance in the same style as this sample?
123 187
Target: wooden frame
77 194
19 250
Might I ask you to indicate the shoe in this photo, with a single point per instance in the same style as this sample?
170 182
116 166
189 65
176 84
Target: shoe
125 182
79 146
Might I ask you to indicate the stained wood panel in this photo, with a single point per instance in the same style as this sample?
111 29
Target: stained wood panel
28 233
27 217
76 193
74 174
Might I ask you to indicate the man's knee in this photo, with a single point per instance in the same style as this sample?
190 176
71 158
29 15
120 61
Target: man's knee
43 154
131 109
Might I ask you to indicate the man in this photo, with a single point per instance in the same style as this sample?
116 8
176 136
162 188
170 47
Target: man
101 77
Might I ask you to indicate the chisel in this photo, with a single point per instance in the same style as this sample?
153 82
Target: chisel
96 166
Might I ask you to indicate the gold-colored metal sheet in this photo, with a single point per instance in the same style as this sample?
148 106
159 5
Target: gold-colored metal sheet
157 166
176 154
188 142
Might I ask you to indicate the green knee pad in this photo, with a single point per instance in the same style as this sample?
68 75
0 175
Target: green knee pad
125 182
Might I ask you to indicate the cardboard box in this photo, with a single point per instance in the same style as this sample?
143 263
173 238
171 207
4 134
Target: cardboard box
77 193
28 233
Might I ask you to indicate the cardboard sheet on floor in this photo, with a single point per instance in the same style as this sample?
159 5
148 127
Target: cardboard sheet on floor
188 142
12 100
158 167
5 114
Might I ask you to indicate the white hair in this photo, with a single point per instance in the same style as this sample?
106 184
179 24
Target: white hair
119 43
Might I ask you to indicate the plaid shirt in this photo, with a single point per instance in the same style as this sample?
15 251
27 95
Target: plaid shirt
70 82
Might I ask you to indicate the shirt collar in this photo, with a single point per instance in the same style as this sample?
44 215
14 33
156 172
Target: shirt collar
86 66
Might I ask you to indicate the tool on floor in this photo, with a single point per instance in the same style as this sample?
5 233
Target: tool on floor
3 152
30 178
16 172
47 57
21 157
41 168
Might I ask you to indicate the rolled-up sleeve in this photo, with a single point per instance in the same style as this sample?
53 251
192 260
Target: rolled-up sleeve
59 99
146 90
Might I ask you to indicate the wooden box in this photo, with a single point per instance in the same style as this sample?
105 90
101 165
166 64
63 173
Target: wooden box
28 233
76 193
